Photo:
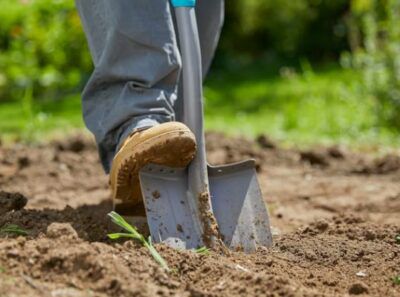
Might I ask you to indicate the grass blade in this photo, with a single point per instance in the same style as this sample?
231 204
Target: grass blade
156 256
134 234
202 251
13 229
120 221
121 235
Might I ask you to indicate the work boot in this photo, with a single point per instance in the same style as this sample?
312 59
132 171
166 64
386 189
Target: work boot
170 144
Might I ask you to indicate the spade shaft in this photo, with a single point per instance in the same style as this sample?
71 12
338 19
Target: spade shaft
192 81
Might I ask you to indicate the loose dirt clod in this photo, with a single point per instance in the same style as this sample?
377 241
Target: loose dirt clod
23 162
179 228
156 194
314 158
57 230
11 201
336 152
384 165
76 144
322 225
265 142
358 289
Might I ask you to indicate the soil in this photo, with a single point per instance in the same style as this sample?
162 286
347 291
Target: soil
334 214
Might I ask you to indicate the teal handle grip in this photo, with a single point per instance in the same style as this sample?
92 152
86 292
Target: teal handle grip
183 3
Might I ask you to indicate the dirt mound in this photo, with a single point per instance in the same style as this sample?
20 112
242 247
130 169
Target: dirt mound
334 229
11 201
384 165
322 259
224 150
76 144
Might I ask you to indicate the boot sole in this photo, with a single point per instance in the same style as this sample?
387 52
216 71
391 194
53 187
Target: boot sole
175 149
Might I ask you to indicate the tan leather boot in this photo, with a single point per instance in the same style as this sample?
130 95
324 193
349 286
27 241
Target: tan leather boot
171 144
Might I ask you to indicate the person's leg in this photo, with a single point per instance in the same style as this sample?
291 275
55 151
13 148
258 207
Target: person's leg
134 86
137 66
210 18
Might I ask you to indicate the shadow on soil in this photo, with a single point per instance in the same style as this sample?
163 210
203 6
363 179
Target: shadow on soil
89 221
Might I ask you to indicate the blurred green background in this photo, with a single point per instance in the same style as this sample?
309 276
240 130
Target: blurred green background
303 72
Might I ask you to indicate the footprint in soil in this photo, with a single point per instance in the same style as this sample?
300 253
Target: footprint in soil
89 221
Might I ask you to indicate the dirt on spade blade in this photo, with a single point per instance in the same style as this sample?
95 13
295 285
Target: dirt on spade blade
335 216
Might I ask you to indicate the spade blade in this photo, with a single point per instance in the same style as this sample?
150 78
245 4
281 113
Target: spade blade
238 206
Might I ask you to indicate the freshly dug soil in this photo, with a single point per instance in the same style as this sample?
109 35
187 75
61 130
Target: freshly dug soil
335 216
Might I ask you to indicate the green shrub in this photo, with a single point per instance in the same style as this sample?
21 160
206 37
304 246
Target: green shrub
379 56
312 28
42 48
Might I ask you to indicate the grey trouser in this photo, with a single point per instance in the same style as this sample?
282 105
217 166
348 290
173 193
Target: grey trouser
137 65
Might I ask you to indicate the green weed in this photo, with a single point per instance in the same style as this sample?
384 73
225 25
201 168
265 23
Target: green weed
202 251
13 229
134 234
396 280
397 238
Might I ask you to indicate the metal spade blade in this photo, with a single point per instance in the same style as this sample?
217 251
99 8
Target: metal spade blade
236 201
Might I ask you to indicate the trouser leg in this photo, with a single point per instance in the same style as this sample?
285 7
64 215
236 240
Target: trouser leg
136 65
210 18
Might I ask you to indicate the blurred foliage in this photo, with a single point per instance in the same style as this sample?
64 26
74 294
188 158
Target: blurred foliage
43 52
377 55
315 29
305 106
299 107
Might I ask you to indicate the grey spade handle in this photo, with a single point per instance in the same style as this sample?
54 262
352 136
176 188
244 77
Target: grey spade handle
193 98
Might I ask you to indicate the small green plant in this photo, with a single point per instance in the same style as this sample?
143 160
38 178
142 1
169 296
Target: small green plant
2 269
396 280
397 238
134 234
202 251
13 229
